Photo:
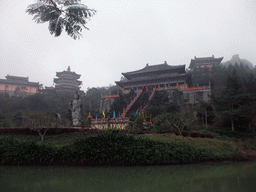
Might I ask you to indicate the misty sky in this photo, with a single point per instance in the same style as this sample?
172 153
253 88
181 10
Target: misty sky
124 36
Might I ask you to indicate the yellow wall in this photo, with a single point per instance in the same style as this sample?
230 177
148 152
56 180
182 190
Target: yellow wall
32 90
11 88
2 87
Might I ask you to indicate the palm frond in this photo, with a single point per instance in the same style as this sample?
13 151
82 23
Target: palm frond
80 10
70 14
43 12
68 2
73 30
51 2
56 26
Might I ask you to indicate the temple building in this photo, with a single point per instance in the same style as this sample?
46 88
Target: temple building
204 62
172 78
160 77
154 78
67 81
18 86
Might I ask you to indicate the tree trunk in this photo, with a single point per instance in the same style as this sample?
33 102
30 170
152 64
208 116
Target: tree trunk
205 118
232 125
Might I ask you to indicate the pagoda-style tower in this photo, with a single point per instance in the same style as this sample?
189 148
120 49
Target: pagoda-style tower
204 62
160 77
67 81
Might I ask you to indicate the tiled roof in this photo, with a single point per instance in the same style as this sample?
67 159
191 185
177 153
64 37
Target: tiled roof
152 68
63 73
18 80
157 80
204 59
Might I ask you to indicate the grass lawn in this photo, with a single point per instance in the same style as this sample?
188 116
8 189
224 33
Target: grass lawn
220 147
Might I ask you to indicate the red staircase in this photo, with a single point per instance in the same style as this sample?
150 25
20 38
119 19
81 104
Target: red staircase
149 99
131 104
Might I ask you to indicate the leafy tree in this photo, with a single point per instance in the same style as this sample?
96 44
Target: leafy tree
40 123
228 103
160 104
119 104
138 123
68 15
205 112
93 97
17 119
248 107
2 120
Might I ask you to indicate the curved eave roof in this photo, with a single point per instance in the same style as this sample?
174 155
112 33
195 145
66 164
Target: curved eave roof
203 60
19 83
57 80
154 68
181 77
59 74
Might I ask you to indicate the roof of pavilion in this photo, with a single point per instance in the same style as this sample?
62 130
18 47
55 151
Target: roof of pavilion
202 60
68 72
155 68
76 82
156 80
18 80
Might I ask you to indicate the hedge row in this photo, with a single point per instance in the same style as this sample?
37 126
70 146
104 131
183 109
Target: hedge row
106 148
202 135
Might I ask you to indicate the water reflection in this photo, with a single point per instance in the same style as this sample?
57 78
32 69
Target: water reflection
200 177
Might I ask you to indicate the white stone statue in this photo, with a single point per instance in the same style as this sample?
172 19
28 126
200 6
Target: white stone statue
76 110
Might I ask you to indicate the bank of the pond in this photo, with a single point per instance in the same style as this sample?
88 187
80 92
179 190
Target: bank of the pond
114 149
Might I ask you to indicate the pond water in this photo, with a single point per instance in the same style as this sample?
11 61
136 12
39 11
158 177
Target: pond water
199 177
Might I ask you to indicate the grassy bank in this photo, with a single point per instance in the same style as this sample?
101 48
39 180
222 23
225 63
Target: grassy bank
106 148
89 148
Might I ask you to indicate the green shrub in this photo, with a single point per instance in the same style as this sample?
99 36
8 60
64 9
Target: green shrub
13 151
112 148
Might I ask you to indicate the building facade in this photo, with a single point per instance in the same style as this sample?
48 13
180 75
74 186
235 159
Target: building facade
204 62
173 79
67 81
160 77
18 86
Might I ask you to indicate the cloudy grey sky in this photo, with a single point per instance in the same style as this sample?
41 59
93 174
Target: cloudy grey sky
124 36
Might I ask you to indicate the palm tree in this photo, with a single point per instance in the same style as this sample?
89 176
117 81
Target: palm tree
68 15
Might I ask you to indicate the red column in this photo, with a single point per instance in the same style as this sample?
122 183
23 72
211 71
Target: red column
177 85
158 86
147 88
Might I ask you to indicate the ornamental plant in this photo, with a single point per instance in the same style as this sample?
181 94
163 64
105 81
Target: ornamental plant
209 135
194 134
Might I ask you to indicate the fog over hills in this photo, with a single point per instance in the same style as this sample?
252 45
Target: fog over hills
236 59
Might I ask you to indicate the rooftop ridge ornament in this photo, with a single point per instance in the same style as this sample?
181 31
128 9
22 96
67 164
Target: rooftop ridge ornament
69 68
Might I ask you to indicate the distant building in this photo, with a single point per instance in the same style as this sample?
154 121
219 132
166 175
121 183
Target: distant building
160 77
67 81
107 101
194 95
204 62
173 79
18 86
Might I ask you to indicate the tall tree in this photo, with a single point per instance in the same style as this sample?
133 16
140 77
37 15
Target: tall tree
68 15
230 100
